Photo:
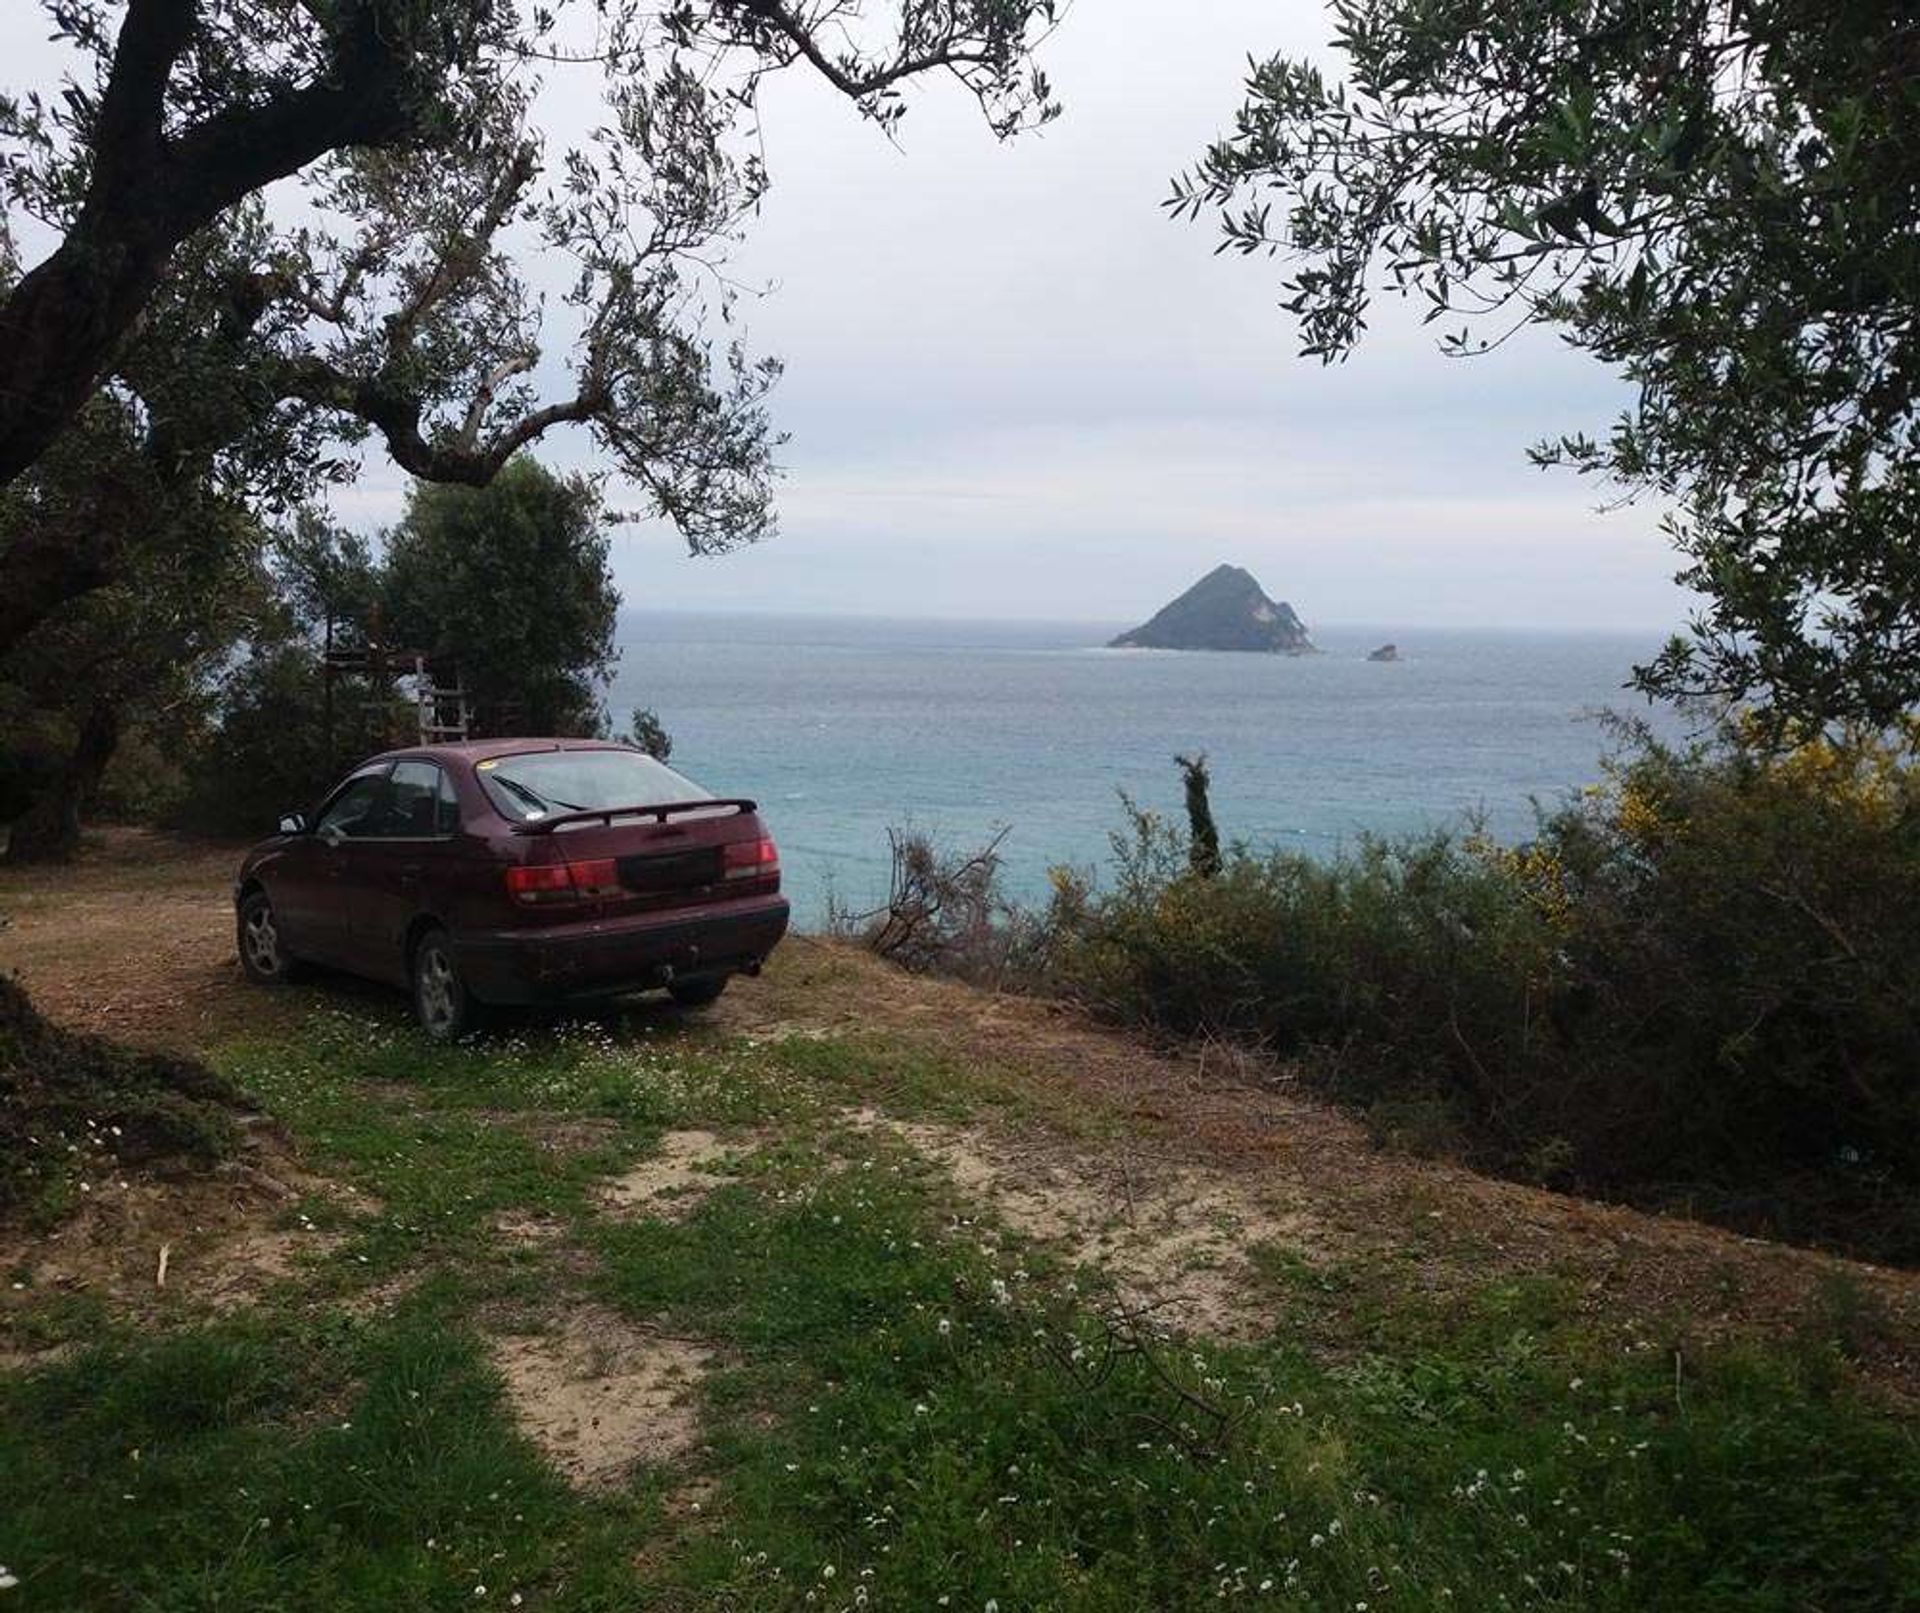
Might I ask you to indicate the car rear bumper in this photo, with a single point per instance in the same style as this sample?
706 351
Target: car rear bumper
608 959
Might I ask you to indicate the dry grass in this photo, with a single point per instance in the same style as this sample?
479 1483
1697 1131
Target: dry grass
1104 1110
136 941
1175 1239
165 1248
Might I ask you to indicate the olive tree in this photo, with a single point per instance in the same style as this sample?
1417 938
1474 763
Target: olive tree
385 291
1721 199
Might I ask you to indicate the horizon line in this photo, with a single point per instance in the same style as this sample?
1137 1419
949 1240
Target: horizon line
1116 623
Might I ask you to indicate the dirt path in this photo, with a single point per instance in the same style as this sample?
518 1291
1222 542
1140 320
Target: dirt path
1210 1141
134 941
1165 1168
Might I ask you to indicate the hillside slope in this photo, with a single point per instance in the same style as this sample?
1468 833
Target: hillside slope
137 942
865 1291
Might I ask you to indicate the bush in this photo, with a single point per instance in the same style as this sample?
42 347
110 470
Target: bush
70 1101
1697 986
945 913
267 755
1742 977
146 779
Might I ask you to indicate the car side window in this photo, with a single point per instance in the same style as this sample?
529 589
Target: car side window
412 809
355 810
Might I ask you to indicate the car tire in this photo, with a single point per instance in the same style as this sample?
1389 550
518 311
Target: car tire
263 952
697 990
444 1007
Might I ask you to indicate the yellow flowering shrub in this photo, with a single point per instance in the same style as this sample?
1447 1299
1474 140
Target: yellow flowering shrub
1700 978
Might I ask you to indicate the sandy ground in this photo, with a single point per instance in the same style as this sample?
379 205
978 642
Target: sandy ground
598 1394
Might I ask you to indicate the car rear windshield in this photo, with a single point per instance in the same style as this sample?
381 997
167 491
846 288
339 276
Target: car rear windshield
544 784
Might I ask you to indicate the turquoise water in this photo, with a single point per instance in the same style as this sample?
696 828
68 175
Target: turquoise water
840 727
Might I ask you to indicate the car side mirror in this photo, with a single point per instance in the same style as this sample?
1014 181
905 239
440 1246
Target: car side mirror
294 823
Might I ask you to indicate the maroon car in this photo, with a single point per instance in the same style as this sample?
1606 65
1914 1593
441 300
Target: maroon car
515 871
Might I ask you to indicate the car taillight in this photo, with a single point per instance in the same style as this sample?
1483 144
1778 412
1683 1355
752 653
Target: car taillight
563 882
547 879
749 859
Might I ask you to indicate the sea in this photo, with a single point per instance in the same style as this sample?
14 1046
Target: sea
843 727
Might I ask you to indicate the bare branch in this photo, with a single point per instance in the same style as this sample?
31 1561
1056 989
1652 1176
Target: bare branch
865 86
466 248
398 416
497 377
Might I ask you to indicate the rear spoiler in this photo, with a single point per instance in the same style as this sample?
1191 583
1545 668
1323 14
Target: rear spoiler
561 820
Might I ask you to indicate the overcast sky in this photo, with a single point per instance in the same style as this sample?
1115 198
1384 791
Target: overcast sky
1015 388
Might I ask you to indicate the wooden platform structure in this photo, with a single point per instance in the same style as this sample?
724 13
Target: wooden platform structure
391 677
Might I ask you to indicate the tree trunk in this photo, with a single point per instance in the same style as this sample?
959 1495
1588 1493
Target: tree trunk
42 570
49 830
60 326
62 322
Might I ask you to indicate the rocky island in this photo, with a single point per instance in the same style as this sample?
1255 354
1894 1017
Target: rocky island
1225 610
1386 652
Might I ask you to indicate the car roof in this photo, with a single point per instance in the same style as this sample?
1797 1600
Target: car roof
480 750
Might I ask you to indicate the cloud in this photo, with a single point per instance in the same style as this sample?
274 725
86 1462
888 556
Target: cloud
1014 386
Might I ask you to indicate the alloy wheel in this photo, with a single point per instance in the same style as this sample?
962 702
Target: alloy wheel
437 990
263 940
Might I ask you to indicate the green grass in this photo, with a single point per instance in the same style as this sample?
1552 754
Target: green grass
973 1429
266 1464
912 1407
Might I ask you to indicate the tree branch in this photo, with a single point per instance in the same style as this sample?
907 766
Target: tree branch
859 89
466 250
496 378
63 322
45 570
127 136
397 416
